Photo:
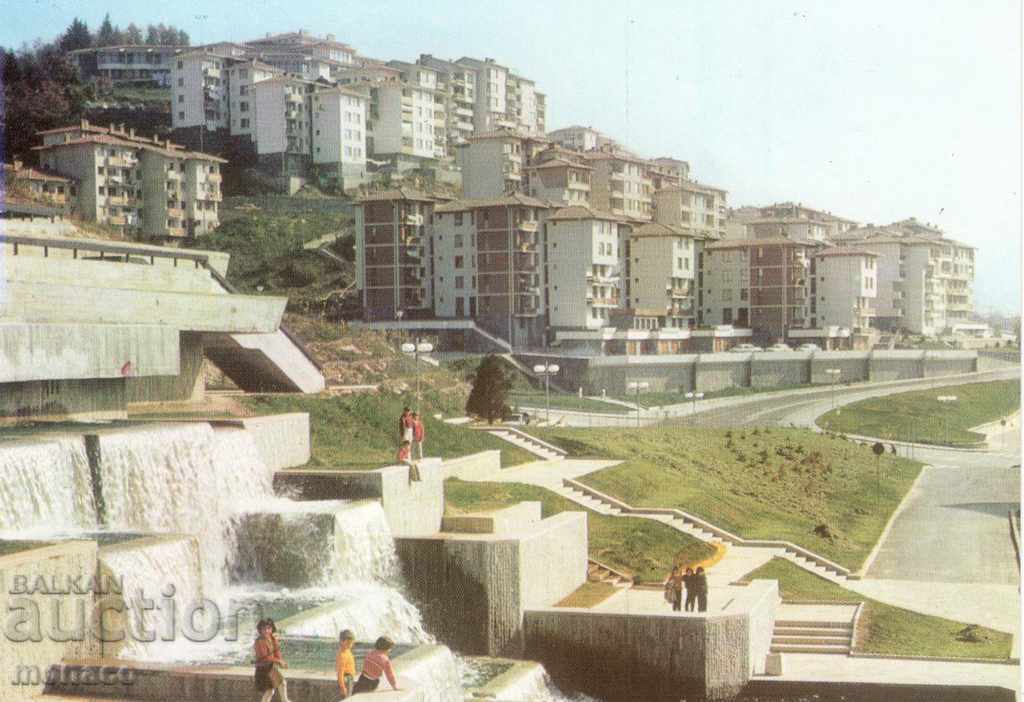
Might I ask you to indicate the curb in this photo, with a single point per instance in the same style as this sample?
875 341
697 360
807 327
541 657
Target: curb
859 574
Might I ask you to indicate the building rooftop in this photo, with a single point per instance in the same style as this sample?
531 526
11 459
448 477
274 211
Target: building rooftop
162 48
498 134
559 163
652 230
17 169
99 135
753 243
843 251
692 186
397 194
580 212
516 199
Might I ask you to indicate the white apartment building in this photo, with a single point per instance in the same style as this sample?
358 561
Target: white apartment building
526 105
662 270
126 63
199 91
148 186
582 139
429 79
302 41
801 228
835 226
242 77
560 181
620 184
843 285
283 122
490 111
492 164
666 172
581 268
339 136
695 206
456 86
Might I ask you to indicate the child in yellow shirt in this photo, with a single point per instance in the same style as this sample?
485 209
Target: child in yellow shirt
345 662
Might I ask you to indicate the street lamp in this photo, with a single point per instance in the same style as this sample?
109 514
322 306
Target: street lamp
635 386
694 396
834 373
415 350
547 370
946 399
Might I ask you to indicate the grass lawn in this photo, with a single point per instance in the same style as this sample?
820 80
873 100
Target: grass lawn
762 483
565 402
660 399
883 628
919 416
633 545
359 432
588 594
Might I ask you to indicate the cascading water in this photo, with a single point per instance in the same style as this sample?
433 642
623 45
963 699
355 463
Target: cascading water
45 487
183 478
368 608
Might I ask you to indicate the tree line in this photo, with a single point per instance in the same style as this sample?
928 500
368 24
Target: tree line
78 36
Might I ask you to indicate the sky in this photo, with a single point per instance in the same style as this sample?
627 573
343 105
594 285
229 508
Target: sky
875 111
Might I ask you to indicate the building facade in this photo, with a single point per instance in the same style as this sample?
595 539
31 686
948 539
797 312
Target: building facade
620 184
126 64
843 286
662 261
695 206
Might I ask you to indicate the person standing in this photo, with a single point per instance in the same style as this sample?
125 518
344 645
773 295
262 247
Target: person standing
674 588
405 431
701 581
267 650
691 589
405 458
418 433
345 662
376 664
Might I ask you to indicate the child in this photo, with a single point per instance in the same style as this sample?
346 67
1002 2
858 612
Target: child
345 663
405 425
405 457
268 657
375 665
418 432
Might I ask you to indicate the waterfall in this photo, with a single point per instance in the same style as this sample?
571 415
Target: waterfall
437 672
370 609
537 686
183 478
160 569
45 486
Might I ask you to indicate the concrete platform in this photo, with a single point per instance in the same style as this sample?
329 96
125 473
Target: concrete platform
818 613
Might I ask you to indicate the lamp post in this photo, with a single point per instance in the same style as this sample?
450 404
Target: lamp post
637 386
547 370
415 350
946 399
694 396
834 374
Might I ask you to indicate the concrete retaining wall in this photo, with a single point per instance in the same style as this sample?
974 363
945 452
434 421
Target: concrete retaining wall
412 508
476 466
48 614
187 385
761 619
769 370
281 439
720 371
501 521
896 365
473 589
99 399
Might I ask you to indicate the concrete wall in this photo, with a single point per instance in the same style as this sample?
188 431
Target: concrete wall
768 370
895 365
938 363
719 371
281 439
473 589
477 466
102 398
186 385
853 367
56 564
761 611
501 521
412 509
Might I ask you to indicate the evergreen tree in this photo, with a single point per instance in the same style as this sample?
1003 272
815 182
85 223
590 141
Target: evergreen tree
132 34
491 386
77 36
183 39
106 36
152 35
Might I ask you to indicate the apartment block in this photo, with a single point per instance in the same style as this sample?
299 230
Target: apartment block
803 228
758 283
503 235
153 187
843 286
456 89
303 42
434 110
393 268
925 279
582 139
490 111
666 172
695 206
834 225
559 180
662 272
131 64
620 184
582 279
493 163
339 137
526 105
21 182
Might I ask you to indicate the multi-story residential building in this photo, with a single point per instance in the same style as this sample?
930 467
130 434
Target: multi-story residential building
803 228
242 78
582 139
668 172
662 261
737 219
924 278
456 85
199 92
581 268
327 48
153 187
843 284
283 133
429 80
758 283
490 111
691 205
620 184
126 63
339 137
790 211
23 182
393 267
526 106
559 180
492 164
503 235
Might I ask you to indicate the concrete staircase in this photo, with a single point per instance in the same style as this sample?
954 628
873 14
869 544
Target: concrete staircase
530 444
600 573
797 636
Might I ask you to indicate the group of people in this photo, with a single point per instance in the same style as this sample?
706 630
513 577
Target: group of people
694 583
269 663
411 433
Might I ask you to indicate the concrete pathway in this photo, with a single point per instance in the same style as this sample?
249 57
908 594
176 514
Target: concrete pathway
818 668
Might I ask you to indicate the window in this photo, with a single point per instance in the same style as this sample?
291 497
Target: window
460 282
181 64
243 90
460 261
181 82
181 98
243 106
243 73
181 115
244 123
458 241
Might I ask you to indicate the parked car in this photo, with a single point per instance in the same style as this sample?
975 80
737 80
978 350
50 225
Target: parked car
516 419
808 347
778 347
745 348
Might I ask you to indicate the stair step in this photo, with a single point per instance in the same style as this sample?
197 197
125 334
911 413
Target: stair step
788 623
815 640
812 631
810 648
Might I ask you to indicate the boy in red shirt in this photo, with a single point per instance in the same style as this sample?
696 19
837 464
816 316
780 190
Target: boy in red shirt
418 432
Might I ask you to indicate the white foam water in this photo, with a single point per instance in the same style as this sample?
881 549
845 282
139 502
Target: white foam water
439 676
45 486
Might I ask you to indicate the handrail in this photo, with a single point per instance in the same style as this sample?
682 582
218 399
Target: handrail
88 245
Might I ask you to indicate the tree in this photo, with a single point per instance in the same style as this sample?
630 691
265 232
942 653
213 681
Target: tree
106 34
152 35
77 36
491 386
133 35
183 39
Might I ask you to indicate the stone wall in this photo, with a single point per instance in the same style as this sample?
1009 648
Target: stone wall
26 661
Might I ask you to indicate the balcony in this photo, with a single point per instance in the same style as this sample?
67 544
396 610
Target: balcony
175 213
293 98
603 301
117 199
118 221
528 226
214 177
415 220
121 162
175 175
175 231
